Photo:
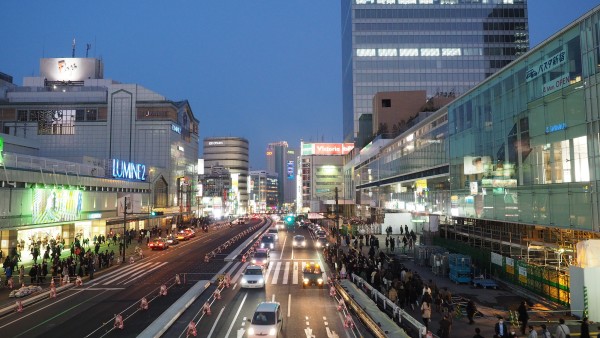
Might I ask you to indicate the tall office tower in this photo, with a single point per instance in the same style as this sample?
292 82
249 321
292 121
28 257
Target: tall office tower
282 160
442 46
230 153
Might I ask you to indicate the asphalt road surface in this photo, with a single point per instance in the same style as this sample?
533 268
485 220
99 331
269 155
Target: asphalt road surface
307 312
89 311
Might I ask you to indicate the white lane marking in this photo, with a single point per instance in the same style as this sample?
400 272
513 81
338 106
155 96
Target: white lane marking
289 303
240 333
102 289
214 279
230 271
236 315
295 275
331 333
283 247
131 272
308 332
268 273
286 273
97 280
275 277
324 277
216 321
234 285
292 253
240 272
324 318
273 298
143 274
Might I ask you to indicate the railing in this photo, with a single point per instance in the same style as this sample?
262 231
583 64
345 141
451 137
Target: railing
19 161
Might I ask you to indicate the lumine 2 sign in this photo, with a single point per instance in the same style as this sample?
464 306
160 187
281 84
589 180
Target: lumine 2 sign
128 170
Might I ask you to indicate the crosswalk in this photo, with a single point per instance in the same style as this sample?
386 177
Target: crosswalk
132 274
278 272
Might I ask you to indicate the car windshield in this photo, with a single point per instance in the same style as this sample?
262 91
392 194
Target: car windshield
263 318
267 239
253 272
273 231
260 255
299 238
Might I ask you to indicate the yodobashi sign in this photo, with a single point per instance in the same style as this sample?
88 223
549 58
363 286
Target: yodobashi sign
215 143
71 69
128 170
326 148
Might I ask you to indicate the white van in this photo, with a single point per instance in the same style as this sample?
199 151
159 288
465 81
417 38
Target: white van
266 321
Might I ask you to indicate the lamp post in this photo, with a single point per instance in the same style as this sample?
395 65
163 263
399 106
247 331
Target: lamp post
125 205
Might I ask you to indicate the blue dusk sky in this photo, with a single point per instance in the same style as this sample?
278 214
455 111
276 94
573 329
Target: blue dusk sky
264 70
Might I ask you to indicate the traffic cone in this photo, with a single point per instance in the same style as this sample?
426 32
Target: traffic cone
163 290
10 283
131 260
206 258
144 304
52 291
243 258
332 291
78 281
119 321
227 281
341 305
206 309
348 321
19 305
191 329
177 280
217 294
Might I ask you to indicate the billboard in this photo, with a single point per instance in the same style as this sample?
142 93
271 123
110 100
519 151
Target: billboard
56 205
290 170
71 69
326 148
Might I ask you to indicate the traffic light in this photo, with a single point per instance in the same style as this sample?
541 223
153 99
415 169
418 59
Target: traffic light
290 219
157 213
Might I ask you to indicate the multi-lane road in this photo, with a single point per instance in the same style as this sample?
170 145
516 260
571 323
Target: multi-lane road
89 311
307 312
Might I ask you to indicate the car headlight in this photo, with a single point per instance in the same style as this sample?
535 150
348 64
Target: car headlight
262 245
254 261
250 331
304 243
260 281
305 280
294 243
318 244
244 281
271 246
272 332
320 280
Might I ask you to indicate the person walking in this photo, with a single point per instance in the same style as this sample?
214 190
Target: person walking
523 316
585 328
545 332
562 330
532 333
501 329
426 313
471 310
477 333
445 327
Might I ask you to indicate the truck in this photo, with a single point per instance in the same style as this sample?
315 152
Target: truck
312 275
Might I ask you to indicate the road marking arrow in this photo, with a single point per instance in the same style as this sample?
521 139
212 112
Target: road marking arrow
308 332
240 333
331 333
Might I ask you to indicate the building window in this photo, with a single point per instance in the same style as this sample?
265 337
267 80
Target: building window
386 103
56 122
22 115
91 114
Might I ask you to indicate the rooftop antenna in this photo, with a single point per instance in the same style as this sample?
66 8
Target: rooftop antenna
73 53
87 49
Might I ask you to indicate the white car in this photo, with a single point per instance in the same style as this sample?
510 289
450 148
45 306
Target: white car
267 321
253 277
279 225
299 241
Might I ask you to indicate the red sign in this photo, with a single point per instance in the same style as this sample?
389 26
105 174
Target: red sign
332 148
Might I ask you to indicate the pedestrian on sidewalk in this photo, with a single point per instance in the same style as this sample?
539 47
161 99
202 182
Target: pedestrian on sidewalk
523 316
445 327
477 333
545 332
501 329
392 244
471 310
532 333
585 328
387 243
426 313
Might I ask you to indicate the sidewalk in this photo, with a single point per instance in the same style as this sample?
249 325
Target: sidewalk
490 302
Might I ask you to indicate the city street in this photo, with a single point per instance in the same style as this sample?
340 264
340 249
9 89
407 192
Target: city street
307 312
88 310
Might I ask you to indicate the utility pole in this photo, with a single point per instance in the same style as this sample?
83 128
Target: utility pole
124 226
337 222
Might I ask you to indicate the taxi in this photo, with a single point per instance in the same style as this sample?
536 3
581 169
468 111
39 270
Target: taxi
158 244
261 258
312 275
172 239
191 233
182 235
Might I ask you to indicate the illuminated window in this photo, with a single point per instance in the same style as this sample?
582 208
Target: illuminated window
386 2
407 2
426 2
580 157
364 2
408 52
430 52
450 51
387 52
472 51
365 52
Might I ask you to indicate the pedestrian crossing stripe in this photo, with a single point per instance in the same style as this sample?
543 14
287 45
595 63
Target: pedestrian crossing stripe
279 273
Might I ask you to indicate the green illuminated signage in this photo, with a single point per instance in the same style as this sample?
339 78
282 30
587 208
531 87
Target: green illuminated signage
1 150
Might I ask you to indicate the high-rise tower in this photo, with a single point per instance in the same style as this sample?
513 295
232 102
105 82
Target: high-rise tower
442 46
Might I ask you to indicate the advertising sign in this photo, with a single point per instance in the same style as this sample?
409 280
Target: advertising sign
326 148
510 265
476 164
545 66
290 170
128 170
496 259
56 205
70 69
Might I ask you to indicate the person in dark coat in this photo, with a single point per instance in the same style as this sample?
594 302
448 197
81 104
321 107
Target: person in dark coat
501 329
471 309
445 326
585 328
523 316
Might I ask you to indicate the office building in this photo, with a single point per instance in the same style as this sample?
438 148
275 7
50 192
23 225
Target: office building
230 153
263 191
444 47
282 160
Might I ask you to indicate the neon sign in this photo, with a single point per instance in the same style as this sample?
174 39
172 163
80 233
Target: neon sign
1 150
556 127
128 170
176 128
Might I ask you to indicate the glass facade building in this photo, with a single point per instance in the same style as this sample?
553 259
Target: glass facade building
510 168
443 46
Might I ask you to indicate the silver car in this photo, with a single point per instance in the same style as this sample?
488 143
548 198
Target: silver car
267 321
299 241
253 277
